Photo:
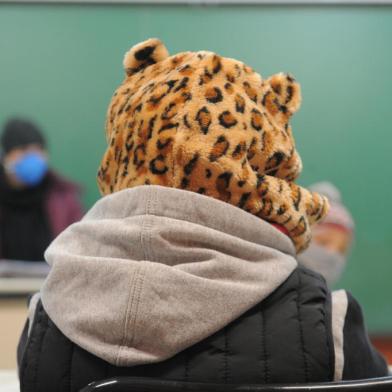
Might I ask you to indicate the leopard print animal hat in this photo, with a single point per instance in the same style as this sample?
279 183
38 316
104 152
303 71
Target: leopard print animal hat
204 123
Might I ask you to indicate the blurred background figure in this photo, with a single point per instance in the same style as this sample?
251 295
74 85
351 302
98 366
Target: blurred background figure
36 203
332 237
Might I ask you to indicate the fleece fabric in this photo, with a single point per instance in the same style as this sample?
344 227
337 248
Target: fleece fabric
155 253
212 125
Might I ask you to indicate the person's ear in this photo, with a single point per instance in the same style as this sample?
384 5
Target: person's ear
143 55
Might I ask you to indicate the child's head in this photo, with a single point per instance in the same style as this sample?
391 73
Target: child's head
336 231
208 124
24 154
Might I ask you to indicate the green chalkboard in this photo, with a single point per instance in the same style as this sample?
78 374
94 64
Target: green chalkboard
59 65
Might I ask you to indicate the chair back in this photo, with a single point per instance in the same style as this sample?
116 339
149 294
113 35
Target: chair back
130 384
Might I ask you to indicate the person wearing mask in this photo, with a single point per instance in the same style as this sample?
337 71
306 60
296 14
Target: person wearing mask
36 204
186 269
332 237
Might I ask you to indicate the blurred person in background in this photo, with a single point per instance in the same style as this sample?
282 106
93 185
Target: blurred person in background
36 204
332 237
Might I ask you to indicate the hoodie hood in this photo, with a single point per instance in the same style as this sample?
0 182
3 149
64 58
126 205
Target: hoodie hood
151 270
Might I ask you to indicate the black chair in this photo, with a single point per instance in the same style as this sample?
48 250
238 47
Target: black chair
128 384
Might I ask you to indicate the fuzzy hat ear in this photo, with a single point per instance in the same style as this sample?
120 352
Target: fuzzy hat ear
144 54
287 92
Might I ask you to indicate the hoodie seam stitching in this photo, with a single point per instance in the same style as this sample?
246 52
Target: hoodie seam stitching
130 301
144 233
164 214
139 283
138 290
151 212
148 225
155 215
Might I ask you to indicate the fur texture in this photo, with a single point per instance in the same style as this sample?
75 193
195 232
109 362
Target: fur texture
204 123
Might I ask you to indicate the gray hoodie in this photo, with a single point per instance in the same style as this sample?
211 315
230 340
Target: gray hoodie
151 270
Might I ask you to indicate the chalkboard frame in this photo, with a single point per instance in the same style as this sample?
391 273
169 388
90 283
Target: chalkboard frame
210 2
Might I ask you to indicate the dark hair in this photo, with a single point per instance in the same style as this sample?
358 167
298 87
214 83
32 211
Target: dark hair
18 132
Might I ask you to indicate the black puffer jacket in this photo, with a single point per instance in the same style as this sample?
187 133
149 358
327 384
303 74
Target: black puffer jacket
286 338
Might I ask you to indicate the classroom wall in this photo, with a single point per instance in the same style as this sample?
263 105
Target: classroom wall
59 65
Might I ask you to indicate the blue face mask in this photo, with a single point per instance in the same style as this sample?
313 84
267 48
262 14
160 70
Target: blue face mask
30 169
